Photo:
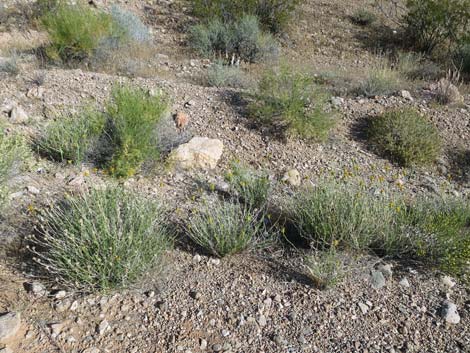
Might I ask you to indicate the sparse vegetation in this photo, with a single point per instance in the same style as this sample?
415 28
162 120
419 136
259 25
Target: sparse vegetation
405 136
273 14
381 80
363 17
102 239
133 117
220 75
225 228
292 100
416 66
240 40
10 65
251 187
72 138
324 268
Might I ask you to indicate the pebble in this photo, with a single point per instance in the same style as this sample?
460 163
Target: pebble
262 321
364 308
18 115
102 327
9 325
33 190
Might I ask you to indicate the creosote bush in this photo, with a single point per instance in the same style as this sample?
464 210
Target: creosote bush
242 39
250 186
293 101
274 15
224 228
102 239
72 138
405 136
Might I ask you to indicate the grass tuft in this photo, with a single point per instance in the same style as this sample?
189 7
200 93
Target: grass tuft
101 240
324 268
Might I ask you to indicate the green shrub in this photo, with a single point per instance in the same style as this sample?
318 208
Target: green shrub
274 15
72 138
343 215
324 268
444 226
224 228
432 23
75 31
12 153
220 75
133 117
363 17
405 137
293 100
242 39
100 240
380 81
252 187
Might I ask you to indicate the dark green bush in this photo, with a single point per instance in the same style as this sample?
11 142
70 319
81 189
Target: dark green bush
463 58
405 136
274 15
102 239
242 39
432 23
292 100
133 117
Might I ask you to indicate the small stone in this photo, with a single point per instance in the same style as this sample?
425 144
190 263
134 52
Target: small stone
406 94
203 345
225 333
9 325
449 312
364 308
197 258
36 288
33 190
215 262
190 103
102 327
60 294
217 347
337 101
377 279
56 328
448 281
292 177
262 321
74 306
18 115
386 270
404 282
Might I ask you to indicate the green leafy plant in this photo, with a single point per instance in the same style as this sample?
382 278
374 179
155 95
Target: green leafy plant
273 14
71 138
292 100
242 39
433 23
225 228
103 239
252 187
133 117
405 136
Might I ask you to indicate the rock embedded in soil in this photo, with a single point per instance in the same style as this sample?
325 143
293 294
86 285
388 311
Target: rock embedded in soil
292 177
199 153
449 312
10 324
377 279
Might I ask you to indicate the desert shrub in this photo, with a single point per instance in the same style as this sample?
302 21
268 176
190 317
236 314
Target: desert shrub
102 239
416 66
224 228
380 81
75 31
274 15
463 58
444 228
363 17
346 216
220 75
133 116
12 153
132 26
250 186
242 39
432 23
71 138
10 65
292 100
324 268
405 137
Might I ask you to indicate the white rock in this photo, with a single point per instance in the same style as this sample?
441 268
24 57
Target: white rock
262 321
406 94
364 308
404 282
103 326
449 312
9 325
447 281
292 177
33 190
199 153
18 115
36 288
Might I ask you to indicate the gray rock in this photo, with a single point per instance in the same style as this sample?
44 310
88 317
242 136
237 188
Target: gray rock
18 115
377 279
407 95
404 282
203 345
386 270
217 347
449 312
10 324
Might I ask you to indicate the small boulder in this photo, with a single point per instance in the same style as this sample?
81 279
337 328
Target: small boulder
377 279
292 177
9 325
449 312
198 153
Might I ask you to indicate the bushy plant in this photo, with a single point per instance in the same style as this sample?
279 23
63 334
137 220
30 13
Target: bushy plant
129 23
133 116
273 14
292 99
10 65
75 31
324 268
463 58
220 75
432 23
252 187
405 136
380 81
103 239
224 228
242 39
71 138
363 17
416 66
